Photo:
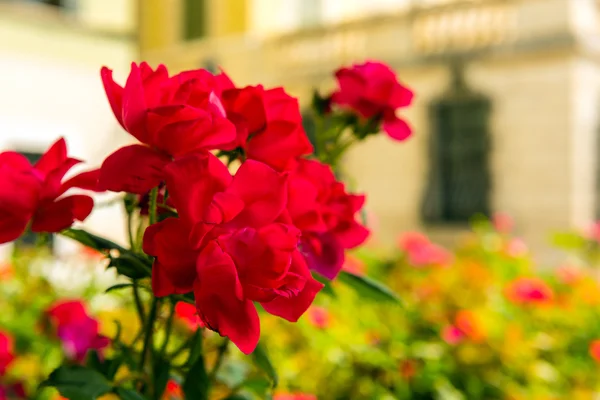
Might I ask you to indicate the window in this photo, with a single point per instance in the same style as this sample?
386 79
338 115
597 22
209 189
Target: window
194 18
459 179
30 239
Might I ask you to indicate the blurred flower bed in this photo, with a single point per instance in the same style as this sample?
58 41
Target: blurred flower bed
479 321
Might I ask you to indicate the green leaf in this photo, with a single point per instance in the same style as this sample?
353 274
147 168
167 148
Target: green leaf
257 385
195 348
368 288
261 359
327 289
91 240
127 394
131 266
107 367
196 384
118 287
161 376
76 382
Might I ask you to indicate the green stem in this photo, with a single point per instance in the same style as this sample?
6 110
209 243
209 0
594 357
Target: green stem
130 230
169 329
148 337
181 348
138 304
153 205
220 358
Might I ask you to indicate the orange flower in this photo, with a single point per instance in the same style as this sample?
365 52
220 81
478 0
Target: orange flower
469 324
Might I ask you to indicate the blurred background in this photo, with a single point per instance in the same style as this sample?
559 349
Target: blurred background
506 113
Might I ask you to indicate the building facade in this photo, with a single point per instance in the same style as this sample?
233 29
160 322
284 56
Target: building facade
506 110
51 52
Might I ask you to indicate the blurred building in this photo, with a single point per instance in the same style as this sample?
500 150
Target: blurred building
505 117
51 52
506 113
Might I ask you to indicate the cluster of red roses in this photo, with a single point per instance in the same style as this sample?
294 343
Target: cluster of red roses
236 239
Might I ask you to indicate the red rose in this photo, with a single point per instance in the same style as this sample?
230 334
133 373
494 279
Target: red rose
321 208
171 116
77 331
372 90
36 194
269 125
186 314
6 352
229 248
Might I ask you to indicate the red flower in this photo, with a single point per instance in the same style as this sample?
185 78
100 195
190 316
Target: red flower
503 223
326 214
269 125
595 350
36 194
421 252
6 352
173 391
13 391
171 116
529 291
229 247
373 91
188 315
77 331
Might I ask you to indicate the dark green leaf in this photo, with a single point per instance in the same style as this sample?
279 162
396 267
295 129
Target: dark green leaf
327 289
118 287
78 383
261 359
196 384
131 266
161 376
368 288
258 385
107 367
90 240
127 394
195 348
237 396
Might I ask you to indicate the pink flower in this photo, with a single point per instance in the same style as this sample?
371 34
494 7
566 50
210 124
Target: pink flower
503 223
421 252
372 90
318 317
452 335
568 274
526 290
36 194
6 352
78 332
294 396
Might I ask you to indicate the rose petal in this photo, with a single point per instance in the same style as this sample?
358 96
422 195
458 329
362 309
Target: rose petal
59 215
133 169
219 298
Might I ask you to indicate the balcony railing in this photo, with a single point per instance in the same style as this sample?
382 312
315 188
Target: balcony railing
461 28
